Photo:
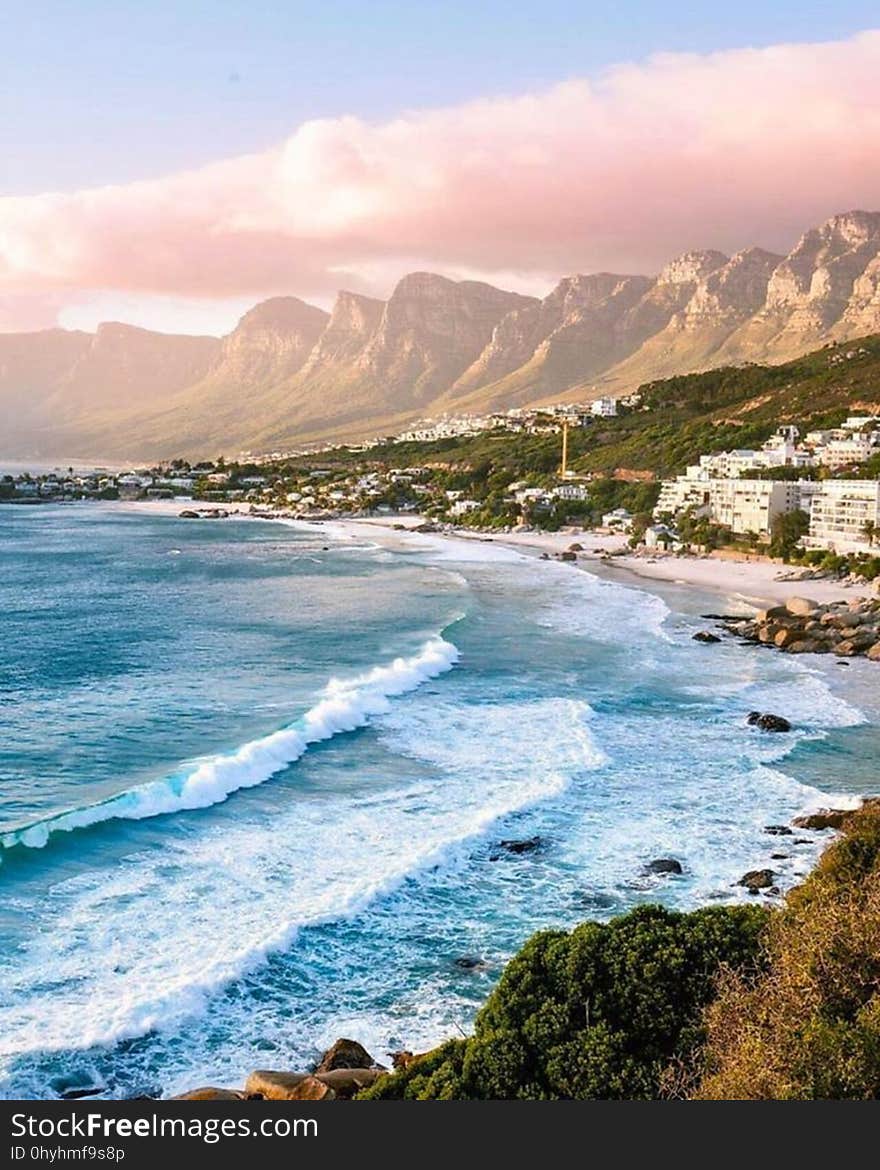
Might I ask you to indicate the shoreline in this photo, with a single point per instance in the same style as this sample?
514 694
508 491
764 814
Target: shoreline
744 582
752 583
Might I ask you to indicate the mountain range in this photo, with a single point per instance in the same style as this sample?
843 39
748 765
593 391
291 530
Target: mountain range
291 373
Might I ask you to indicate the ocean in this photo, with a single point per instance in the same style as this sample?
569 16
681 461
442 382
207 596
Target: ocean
255 779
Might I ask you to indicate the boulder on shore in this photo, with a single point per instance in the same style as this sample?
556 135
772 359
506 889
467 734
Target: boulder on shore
346 1054
826 818
801 606
347 1082
286 1086
210 1093
768 722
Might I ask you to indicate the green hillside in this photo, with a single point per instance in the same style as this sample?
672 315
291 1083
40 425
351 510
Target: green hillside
679 419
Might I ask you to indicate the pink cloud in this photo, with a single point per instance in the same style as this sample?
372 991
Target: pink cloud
622 172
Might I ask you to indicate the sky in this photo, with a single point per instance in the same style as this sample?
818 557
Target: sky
171 163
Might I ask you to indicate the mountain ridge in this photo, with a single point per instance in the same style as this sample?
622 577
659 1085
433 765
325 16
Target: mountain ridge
290 372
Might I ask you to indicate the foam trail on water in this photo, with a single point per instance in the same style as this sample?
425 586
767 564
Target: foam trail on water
344 705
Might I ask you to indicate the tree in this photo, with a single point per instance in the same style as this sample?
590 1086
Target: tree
786 532
870 531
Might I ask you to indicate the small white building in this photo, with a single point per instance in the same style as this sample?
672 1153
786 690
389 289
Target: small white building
661 536
571 491
604 407
462 507
620 519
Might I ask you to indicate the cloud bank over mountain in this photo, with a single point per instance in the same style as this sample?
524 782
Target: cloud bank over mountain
619 171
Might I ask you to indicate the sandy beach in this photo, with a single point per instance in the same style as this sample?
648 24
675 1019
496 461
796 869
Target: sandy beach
747 583
753 583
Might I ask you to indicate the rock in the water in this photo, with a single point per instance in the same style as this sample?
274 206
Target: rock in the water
779 857
286 1086
469 963
801 606
826 818
345 1054
768 722
664 865
568 556
705 636
346 1082
188 514
778 830
527 845
210 1093
757 879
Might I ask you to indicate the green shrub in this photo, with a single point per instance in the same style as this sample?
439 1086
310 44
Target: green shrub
596 1013
808 1028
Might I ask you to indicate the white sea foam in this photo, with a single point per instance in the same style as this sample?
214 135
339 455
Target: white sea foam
344 705
584 604
521 739
805 699
140 947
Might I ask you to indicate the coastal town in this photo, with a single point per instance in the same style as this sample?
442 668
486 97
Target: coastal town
810 494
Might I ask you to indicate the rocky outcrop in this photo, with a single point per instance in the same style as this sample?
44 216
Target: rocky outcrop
826 818
346 1054
812 296
209 1093
344 1070
847 628
287 1086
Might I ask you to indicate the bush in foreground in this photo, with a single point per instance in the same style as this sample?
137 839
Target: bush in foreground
600 1012
808 1028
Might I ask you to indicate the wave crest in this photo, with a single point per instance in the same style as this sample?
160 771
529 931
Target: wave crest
344 705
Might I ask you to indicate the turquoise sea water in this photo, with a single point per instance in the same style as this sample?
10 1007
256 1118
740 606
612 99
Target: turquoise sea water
253 780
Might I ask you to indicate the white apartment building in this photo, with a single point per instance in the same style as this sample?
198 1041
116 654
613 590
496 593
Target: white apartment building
743 505
843 449
841 508
604 407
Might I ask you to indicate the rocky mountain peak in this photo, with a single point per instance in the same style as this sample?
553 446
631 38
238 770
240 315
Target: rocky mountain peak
283 316
851 228
691 267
